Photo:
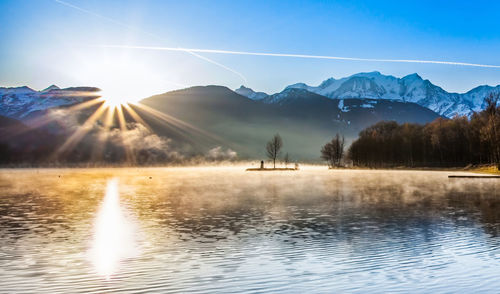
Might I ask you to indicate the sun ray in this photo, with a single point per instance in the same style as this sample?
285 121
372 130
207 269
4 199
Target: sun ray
108 122
182 128
41 121
186 129
86 104
98 150
82 130
184 132
106 111
123 127
135 116
177 122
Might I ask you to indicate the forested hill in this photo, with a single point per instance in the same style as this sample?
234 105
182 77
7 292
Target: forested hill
454 142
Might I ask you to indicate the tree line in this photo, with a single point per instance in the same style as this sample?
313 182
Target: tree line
444 142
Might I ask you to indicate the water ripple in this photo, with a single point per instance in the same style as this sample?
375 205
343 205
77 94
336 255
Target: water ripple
227 231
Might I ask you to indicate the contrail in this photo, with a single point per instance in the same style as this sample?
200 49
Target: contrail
218 64
149 34
99 16
301 55
192 50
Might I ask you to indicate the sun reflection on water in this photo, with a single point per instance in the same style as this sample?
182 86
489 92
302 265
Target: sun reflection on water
113 239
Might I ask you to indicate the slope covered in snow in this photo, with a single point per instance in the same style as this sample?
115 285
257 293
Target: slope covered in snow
291 95
22 102
50 88
411 88
476 96
249 93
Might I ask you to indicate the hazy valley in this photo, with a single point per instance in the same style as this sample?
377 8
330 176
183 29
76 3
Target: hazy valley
216 123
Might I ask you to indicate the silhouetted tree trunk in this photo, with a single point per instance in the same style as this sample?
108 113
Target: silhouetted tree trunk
273 148
339 150
492 131
333 151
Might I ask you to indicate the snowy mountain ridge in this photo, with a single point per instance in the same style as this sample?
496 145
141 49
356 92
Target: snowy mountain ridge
410 88
249 93
22 102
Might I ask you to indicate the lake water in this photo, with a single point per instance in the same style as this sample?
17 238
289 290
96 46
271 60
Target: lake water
224 230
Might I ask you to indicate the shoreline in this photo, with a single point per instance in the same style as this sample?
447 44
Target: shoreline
272 169
483 168
478 169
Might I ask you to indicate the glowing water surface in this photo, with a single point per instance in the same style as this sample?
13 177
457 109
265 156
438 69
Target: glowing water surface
198 230
113 239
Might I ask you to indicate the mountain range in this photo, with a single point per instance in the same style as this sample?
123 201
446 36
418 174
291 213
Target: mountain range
24 103
305 120
215 121
411 88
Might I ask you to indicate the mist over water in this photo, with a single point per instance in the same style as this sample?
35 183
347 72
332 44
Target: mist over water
198 230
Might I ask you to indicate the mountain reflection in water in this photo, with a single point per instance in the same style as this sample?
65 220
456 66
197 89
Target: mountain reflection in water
226 230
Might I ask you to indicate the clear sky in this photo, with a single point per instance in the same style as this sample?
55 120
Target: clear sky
45 42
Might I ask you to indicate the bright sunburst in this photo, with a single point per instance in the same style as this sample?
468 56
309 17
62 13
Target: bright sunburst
115 98
124 80
117 110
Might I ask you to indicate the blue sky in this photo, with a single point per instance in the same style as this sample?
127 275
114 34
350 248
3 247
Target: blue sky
45 42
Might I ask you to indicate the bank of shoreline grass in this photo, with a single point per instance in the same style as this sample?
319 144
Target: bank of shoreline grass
480 169
492 170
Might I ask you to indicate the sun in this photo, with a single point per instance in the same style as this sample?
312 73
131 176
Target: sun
122 77
115 98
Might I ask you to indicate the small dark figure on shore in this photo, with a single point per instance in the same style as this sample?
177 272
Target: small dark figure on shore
262 164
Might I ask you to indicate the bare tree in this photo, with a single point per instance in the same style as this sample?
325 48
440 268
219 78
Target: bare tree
491 129
339 150
286 159
333 151
327 154
273 148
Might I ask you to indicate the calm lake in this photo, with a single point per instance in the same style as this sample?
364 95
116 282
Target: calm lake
224 230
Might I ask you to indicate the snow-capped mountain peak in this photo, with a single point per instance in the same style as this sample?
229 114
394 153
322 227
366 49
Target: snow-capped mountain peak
249 93
50 88
411 77
298 86
24 102
288 93
16 90
410 88
293 95
476 96
371 74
